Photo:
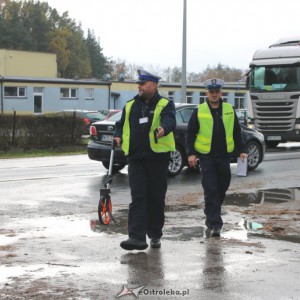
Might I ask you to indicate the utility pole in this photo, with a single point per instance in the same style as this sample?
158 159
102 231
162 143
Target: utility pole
183 68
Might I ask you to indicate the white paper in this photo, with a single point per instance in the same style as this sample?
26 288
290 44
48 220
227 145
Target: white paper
242 167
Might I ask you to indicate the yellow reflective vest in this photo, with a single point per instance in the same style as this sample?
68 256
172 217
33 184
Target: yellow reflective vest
205 119
164 144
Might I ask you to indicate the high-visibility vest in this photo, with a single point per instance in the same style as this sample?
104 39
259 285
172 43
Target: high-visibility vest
204 136
164 144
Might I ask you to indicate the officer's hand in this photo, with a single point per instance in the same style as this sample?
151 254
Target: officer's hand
192 159
243 155
118 141
160 132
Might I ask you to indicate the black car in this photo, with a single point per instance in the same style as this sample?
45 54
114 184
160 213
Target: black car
243 116
99 146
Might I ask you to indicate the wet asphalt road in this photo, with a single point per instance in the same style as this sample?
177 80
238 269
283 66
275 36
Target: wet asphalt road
52 246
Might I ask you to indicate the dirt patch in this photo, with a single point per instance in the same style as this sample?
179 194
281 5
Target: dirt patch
184 199
6 248
39 289
279 219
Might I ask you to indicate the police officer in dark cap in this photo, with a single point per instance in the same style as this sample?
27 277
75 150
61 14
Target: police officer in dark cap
214 135
145 132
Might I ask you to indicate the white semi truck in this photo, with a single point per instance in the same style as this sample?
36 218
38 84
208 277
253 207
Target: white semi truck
274 87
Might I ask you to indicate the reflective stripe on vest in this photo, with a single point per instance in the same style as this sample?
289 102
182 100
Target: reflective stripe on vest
205 119
164 144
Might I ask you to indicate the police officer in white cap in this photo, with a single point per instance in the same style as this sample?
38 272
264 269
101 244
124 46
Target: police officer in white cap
145 132
214 135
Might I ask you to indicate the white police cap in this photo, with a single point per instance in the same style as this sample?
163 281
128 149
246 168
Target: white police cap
214 84
145 76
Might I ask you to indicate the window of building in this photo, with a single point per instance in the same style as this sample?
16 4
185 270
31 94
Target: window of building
38 90
171 95
69 93
202 97
238 100
189 97
89 94
225 97
15 91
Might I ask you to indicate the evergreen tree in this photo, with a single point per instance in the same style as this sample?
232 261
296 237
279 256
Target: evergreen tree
35 26
98 61
35 20
14 34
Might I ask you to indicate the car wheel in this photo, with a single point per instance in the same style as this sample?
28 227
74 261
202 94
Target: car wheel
116 167
254 155
176 162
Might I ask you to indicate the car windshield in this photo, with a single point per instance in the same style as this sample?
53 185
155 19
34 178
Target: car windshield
95 116
116 117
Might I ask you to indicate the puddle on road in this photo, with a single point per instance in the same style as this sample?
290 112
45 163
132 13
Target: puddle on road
257 229
243 230
121 227
270 196
273 196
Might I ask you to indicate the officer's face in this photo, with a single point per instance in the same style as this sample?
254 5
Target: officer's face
147 89
214 97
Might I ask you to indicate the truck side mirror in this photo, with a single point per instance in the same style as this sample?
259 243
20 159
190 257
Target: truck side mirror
248 82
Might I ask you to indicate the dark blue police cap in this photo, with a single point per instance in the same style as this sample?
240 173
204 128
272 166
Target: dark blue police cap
213 84
145 76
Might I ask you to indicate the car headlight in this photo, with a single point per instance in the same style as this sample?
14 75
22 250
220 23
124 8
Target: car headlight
297 126
251 126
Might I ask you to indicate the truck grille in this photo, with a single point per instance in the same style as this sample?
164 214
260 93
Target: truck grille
274 115
278 195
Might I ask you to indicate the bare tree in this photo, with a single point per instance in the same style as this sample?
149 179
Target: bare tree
223 72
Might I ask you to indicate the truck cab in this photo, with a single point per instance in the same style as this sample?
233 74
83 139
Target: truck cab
274 86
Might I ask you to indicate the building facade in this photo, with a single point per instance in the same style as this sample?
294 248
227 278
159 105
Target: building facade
45 95
29 85
234 93
27 64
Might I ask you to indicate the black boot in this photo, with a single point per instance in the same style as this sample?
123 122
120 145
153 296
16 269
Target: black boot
155 243
133 244
216 232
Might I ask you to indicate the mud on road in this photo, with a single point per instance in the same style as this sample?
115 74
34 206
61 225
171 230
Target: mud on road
64 254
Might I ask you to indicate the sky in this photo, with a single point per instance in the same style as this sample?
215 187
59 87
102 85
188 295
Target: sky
149 33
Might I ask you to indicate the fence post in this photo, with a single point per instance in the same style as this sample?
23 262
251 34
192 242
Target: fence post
73 128
14 128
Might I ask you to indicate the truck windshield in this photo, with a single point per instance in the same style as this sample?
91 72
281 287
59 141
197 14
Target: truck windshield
275 78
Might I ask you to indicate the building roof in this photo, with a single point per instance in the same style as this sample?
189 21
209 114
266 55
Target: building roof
54 80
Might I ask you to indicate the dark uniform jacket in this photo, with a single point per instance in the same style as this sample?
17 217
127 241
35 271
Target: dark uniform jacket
139 133
218 145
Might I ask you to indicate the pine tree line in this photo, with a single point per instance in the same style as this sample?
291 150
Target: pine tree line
35 26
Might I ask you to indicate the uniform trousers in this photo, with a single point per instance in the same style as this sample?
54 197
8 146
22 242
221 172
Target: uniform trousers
216 176
148 184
